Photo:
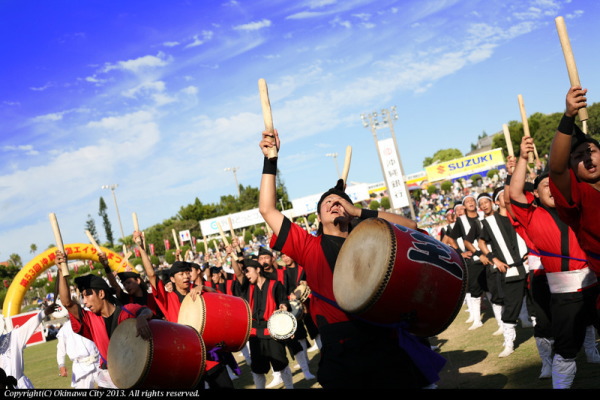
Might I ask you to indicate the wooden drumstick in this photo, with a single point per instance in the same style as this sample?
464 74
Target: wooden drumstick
93 241
59 243
223 237
217 251
205 245
525 123
347 164
267 116
508 140
232 232
136 225
569 60
175 239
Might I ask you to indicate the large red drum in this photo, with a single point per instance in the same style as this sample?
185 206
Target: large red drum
389 274
173 358
221 319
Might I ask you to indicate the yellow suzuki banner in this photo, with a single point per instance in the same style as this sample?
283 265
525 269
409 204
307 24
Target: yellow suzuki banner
465 165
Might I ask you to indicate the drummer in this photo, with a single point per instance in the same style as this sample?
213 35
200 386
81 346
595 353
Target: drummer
102 315
264 296
346 343
169 302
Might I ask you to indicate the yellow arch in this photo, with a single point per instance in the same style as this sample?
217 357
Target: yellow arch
34 268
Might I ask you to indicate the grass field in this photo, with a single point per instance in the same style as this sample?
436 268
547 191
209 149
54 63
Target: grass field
472 362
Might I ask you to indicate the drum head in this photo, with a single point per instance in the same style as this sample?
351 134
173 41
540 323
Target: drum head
364 265
125 346
301 292
193 313
282 325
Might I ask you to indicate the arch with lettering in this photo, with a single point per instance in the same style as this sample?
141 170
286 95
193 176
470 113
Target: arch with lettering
34 268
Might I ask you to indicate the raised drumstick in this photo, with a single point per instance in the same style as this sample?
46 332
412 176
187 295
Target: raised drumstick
525 123
223 237
232 232
508 140
347 164
59 243
93 241
569 60
267 116
136 225
175 239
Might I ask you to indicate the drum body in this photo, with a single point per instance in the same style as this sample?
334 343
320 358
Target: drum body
282 325
302 292
222 320
389 274
174 357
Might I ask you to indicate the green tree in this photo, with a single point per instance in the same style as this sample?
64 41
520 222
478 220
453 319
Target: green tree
33 248
15 260
475 179
374 205
442 156
431 189
90 226
446 186
106 222
385 203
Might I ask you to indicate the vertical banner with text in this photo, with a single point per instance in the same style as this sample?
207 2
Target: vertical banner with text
393 173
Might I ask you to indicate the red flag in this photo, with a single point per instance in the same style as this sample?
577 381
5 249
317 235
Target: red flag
6 283
76 268
151 249
137 252
91 264
49 276
167 244
194 240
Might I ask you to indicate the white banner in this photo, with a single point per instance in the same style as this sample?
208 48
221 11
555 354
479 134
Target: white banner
393 173
302 206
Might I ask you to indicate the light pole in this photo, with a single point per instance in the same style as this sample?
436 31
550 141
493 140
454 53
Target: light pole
334 156
234 170
112 189
387 121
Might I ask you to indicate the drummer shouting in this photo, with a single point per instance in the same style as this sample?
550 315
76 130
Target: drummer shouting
346 342
102 315
264 296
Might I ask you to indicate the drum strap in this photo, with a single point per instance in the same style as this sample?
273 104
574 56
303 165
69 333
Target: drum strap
428 361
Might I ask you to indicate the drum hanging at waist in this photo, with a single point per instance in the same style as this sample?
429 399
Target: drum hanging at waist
174 357
389 274
282 325
222 320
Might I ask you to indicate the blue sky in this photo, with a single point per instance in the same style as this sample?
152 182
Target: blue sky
160 97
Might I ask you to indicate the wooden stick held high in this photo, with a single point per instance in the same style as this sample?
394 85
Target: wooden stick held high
175 239
59 243
267 115
525 123
508 140
569 60
347 164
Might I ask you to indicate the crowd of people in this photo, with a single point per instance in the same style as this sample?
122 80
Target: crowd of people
527 239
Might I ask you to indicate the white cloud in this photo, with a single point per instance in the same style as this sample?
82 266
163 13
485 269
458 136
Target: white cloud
337 21
171 44
27 149
199 40
253 26
42 88
138 64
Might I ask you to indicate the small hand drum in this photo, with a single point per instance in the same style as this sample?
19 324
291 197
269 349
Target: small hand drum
282 325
